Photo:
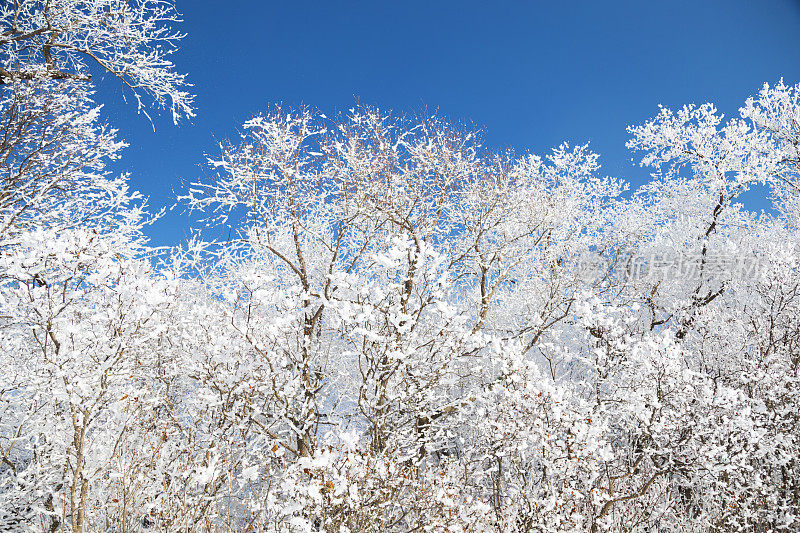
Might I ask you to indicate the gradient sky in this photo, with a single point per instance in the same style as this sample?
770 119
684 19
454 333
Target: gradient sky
529 74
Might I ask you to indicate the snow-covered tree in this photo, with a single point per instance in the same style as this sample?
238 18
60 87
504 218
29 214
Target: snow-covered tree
404 331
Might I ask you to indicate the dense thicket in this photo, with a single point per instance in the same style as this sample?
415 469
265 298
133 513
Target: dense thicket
404 332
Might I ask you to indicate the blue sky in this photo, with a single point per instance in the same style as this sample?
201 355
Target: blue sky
529 74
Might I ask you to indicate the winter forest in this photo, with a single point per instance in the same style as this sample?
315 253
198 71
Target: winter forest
402 331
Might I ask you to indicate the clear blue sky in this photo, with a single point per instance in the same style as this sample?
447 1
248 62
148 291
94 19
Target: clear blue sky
530 74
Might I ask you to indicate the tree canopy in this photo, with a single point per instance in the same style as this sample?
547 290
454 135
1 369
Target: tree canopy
403 332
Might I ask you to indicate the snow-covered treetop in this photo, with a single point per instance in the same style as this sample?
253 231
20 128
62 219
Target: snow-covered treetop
69 39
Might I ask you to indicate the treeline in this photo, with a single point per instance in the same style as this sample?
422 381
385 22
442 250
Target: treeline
404 332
